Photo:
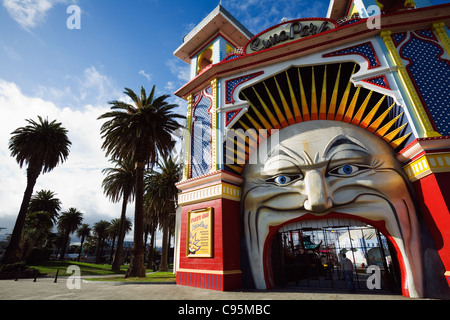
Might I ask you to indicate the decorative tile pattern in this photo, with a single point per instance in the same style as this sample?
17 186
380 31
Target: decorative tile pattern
201 136
231 84
365 50
380 81
430 75
230 115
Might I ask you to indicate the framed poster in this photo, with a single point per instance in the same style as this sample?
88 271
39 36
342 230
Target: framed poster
199 238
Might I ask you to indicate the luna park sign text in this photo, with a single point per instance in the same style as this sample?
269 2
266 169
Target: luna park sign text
288 31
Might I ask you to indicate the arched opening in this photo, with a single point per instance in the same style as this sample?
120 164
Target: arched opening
204 59
308 254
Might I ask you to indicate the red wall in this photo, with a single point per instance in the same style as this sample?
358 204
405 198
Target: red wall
433 193
226 249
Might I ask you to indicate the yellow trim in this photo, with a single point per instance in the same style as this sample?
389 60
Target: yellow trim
438 28
224 272
214 166
200 58
229 49
427 164
187 147
206 249
217 191
418 108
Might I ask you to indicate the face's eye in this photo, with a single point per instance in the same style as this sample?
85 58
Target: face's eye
284 179
348 170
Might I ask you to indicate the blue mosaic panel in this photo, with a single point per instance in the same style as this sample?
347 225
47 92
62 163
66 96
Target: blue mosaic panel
201 138
365 50
233 83
431 76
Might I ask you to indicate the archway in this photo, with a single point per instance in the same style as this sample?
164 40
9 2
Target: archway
308 254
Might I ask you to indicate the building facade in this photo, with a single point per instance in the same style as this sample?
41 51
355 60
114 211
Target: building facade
310 129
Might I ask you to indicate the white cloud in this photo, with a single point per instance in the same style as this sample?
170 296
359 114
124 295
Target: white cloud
178 68
146 75
77 182
91 87
170 86
28 13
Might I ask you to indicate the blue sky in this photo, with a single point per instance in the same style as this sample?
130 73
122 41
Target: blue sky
69 75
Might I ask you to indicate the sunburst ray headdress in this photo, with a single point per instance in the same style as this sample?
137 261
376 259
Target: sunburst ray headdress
301 94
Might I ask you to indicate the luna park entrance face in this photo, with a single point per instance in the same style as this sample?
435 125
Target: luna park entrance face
308 254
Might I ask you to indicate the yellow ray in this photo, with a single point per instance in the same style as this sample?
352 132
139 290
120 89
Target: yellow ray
254 123
272 118
332 107
251 131
323 98
238 155
305 108
357 118
314 111
391 135
377 122
366 121
297 114
286 108
251 141
261 118
397 142
382 131
235 168
343 104
351 108
278 112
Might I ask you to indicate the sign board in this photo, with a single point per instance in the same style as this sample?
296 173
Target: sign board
199 241
288 32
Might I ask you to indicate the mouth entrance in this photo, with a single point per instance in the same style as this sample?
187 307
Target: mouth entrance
308 254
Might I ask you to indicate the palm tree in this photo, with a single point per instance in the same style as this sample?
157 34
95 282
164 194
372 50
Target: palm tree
42 213
45 201
38 225
83 232
101 230
114 232
162 194
119 183
141 132
68 222
42 146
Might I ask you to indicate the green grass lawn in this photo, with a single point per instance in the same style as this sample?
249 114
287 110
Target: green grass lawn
50 268
153 277
87 269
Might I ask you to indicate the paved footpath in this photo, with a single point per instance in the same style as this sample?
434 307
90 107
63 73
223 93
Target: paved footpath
46 289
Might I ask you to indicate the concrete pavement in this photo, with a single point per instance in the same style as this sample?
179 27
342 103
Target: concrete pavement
46 289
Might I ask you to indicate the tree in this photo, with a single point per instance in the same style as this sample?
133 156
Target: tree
141 132
120 184
45 201
162 194
114 232
68 222
37 227
83 232
42 214
101 230
41 145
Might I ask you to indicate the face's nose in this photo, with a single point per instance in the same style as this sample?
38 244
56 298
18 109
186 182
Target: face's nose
318 199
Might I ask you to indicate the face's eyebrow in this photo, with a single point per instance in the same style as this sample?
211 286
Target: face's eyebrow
281 150
342 140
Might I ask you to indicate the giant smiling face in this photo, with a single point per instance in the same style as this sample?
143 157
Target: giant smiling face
321 168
